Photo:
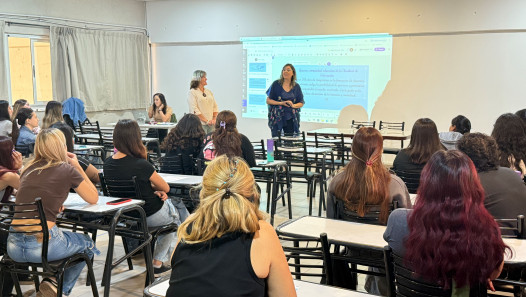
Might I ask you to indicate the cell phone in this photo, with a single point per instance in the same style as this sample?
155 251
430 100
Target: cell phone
118 201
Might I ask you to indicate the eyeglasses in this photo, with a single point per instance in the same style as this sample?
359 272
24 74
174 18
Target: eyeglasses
204 95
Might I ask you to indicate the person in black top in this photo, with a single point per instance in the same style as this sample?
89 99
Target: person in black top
226 140
186 139
225 247
129 161
423 144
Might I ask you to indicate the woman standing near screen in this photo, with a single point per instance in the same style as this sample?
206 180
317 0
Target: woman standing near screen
284 102
201 101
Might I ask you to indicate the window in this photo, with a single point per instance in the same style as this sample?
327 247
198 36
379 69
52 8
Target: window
30 69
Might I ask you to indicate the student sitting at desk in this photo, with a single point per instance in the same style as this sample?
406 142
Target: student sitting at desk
510 133
366 181
28 120
226 248
10 163
449 238
129 161
424 143
50 175
186 139
226 140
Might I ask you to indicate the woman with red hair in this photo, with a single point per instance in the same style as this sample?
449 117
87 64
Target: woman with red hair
365 181
449 238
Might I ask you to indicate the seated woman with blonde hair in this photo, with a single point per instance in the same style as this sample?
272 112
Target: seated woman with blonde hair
225 247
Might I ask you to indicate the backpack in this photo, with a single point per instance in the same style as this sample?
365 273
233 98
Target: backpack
209 151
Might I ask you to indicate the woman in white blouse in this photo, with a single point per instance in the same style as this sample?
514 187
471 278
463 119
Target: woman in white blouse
201 101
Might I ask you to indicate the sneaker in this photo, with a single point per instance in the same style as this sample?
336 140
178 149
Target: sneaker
47 288
161 270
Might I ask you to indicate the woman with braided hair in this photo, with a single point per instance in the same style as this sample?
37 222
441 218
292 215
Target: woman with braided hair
225 247
226 140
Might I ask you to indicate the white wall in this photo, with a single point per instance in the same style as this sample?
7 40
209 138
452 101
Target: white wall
438 71
120 12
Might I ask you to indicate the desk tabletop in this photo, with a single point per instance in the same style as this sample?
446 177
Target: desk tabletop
75 203
518 246
265 163
181 179
348 132
156 125
303 289
87 147
337 231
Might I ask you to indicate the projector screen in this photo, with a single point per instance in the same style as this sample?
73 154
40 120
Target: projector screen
333 71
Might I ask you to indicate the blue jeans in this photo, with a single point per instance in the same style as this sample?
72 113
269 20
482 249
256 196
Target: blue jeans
62 244
166 215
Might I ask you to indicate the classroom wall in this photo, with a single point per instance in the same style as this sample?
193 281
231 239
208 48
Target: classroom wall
121 12
449 57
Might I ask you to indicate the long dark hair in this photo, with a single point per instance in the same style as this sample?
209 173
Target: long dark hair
20 103
510 134
4 110
188 133
424 141
21 117
163 102
366 180
68 134
128 140
7 163
451 234
462 124
226 138
53 114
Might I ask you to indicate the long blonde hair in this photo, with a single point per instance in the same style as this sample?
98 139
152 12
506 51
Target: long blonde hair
53 114
229 202
50 148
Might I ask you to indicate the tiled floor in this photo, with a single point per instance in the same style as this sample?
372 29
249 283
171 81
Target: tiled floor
131 283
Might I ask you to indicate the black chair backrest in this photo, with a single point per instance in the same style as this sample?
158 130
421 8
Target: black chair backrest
371 217
29 216
122 188
176 164
293 150
359 124
402 281
391 126
304 255
512 228
26 149
411 180
88 127
259 149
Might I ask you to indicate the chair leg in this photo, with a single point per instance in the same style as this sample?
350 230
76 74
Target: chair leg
309 186
282 197
269 185
60 282
126 250
14 277
91 277
35 278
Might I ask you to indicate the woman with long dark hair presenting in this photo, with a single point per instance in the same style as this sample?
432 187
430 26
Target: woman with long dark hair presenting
284 102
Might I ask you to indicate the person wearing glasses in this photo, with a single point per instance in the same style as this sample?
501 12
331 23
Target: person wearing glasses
201 101
285 100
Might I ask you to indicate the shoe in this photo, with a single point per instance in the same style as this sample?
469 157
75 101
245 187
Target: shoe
161 270
48 288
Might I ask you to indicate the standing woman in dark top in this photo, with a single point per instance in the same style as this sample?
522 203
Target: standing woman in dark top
186 139
226 140
423 144
129 161
226 248
284 102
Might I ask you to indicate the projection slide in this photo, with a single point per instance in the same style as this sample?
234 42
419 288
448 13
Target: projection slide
333 71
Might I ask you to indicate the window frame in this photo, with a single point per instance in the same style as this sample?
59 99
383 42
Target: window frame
33 38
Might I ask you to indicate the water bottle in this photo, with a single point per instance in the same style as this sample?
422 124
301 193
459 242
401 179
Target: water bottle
270 150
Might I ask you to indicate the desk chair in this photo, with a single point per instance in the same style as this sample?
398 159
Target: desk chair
88 127
403 283
359 124
26 150
411 180
371 217
392 126
305 256
49 269
129 189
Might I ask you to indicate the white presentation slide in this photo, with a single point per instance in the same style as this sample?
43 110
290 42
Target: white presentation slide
333 71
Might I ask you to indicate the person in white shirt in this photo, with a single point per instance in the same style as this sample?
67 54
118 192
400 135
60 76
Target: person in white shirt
201 101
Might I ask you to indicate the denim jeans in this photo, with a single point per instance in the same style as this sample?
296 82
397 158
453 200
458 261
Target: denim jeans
62 244
166 215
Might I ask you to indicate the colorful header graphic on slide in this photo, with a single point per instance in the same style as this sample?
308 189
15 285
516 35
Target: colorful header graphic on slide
334 71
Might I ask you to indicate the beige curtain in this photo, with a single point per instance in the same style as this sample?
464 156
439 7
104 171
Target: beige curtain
106 70
4 90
